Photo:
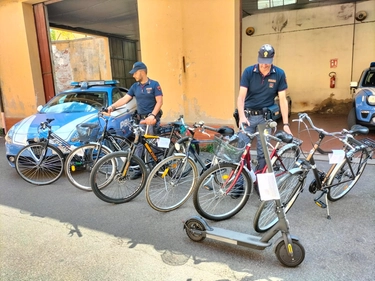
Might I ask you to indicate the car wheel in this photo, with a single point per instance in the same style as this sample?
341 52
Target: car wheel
352 120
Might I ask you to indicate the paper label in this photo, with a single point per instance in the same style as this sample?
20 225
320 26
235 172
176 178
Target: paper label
267 187
163 142
336 156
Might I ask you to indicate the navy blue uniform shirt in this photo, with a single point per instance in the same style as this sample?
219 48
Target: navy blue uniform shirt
262 90
145 95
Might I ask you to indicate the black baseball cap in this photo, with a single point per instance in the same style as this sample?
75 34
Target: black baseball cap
266 54
138 66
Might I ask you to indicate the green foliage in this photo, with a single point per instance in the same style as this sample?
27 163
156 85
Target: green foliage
208 148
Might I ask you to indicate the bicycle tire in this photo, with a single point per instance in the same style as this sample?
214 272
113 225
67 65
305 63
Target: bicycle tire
80 161
212 199
33 169
288 155
168 187
108 183
289 187
343 179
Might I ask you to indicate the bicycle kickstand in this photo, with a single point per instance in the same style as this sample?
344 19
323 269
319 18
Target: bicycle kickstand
321 204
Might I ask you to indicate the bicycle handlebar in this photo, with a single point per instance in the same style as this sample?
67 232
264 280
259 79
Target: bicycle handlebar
302 116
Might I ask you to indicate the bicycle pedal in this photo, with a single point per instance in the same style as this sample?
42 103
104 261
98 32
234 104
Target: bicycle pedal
320 204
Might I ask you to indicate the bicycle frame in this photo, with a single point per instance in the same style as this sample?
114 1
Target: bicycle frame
245 163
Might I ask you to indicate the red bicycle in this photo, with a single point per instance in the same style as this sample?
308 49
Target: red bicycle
224 189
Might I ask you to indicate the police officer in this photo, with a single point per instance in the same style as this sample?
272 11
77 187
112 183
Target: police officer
149 97
260 84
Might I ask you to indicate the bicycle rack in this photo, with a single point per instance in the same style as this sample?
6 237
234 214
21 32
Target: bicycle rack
288 250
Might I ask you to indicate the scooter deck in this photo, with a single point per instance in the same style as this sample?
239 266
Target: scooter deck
236 238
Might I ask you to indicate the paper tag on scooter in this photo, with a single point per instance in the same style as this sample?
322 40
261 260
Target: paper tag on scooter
163 142
267 187
336 156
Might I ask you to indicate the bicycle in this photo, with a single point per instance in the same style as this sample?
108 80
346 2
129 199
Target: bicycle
171 181
224 189
111 177
80 161
41 162
335 184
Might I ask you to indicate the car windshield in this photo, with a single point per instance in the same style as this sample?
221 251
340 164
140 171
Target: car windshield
370 79
76 102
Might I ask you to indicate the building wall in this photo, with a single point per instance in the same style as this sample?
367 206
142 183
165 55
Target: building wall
20 72
305 42
80 60
192 49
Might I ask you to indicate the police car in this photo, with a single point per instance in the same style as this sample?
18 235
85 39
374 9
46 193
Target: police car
80 104
363 111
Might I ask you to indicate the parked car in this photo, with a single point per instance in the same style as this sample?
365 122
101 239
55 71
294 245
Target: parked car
363 111
80 104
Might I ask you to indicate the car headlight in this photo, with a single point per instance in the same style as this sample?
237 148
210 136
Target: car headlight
9 136
371 100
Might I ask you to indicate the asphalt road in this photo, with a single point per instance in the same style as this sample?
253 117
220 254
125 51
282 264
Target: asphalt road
59 232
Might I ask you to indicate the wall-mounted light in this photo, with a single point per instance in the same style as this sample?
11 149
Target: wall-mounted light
360 16
250 31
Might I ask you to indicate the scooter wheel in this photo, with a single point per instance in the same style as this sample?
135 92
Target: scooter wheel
284 257
194 230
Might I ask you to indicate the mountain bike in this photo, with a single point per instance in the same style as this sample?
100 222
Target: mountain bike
334 184
223 190
172 180
112 177
80 161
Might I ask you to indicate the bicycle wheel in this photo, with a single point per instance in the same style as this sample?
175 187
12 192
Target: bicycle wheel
286 160
80 161
111 183
168 187
39 164
345 175
213 198
289 186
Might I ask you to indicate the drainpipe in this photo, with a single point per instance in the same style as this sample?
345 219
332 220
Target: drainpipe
2 112
354 23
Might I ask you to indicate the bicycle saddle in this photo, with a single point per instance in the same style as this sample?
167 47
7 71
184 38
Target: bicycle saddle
285 137
359 129
226 131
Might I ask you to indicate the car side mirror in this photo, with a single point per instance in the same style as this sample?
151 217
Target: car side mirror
39 108
353 87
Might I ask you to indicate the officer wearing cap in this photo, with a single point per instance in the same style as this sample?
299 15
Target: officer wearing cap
149 97
260 84
147 93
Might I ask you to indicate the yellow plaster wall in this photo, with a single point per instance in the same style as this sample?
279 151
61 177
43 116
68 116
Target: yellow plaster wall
20 72
206 37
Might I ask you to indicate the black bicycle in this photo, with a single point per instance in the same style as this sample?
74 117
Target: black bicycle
113 179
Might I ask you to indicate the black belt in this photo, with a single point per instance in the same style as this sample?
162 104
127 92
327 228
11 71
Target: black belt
253 111
143 116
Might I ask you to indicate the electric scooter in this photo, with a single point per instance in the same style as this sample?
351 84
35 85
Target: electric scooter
289 251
